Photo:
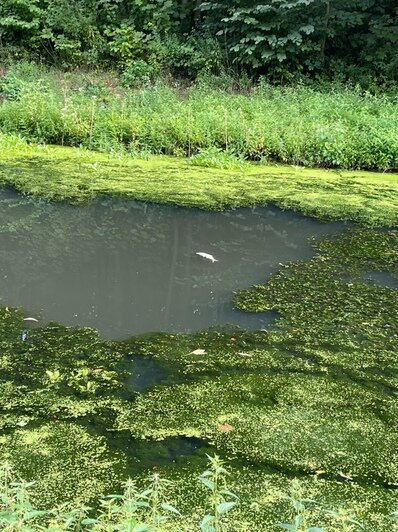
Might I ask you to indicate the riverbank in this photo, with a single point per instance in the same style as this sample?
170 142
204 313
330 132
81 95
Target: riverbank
333 127
78 175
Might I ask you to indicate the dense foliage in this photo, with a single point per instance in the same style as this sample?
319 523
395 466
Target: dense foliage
339 129
355 38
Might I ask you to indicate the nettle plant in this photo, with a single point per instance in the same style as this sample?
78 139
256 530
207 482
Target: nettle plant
135 510
148 509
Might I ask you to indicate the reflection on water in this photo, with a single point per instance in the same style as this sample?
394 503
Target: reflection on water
126 267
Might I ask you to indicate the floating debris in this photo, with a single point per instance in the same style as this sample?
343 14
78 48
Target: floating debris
225 427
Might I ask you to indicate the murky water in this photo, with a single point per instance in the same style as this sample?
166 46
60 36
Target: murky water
126 267
383 279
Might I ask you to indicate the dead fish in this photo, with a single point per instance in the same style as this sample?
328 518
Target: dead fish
197 352
206 256
31 319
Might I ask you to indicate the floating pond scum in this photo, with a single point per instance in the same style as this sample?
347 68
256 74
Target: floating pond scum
313 396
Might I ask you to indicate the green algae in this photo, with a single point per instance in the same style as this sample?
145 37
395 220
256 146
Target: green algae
299 423
263 504
315 397
67 463
55 372
352 323
77 175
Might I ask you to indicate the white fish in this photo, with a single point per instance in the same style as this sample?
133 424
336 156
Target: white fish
31 319
206 256
197 352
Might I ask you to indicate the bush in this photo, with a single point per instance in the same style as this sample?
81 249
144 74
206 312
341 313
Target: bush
138 73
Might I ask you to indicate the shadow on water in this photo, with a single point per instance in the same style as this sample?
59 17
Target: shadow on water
126 267
146 455
145 373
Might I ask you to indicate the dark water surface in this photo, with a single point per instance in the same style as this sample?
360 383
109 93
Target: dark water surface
125 267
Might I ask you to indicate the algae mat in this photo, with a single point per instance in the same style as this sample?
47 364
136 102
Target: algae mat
314 399
78 175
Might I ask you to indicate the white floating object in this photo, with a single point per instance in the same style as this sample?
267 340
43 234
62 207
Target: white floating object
244 354
206 256
198 352
31 319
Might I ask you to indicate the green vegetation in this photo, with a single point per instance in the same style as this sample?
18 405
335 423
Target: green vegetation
78 175
149 510
334 128
135 510
315 398
211 105
283 39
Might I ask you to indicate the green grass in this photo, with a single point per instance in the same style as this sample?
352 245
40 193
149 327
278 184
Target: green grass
336 128
77 175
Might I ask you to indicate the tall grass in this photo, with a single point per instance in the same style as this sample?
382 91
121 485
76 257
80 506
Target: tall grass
300 126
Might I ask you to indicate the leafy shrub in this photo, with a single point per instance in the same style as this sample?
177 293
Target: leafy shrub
217 158
138 73
340 128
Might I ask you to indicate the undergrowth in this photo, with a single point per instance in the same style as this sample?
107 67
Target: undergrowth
301 126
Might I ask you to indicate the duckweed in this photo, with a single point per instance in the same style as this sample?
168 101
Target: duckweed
314 397
78 175
68 464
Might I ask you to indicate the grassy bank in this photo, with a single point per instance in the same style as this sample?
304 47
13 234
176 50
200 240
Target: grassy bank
336 128
76 175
